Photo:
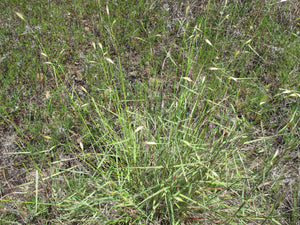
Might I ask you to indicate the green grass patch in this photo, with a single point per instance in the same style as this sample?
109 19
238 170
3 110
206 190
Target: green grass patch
146 112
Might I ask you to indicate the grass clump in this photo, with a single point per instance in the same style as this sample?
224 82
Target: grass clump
149 112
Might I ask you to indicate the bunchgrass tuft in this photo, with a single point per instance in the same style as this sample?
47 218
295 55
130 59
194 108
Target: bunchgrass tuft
149 112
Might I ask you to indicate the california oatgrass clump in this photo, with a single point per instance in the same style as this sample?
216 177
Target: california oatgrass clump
149 112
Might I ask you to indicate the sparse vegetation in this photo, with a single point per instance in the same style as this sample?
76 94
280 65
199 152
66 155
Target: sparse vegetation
149 112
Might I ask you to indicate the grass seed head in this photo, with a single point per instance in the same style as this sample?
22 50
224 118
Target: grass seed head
20 15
